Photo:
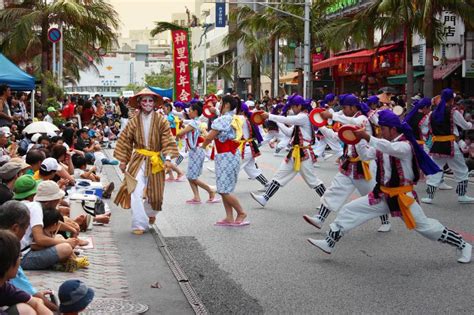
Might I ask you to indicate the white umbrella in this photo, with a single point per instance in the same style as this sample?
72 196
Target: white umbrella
41 127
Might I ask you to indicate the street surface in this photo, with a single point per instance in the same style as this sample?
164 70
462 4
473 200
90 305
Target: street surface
270 267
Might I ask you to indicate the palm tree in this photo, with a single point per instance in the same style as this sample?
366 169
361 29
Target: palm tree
25 28
255 42
390 16
432 29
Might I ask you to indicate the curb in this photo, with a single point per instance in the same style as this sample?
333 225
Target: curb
183 281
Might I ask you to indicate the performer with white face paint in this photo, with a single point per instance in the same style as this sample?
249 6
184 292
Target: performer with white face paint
141 148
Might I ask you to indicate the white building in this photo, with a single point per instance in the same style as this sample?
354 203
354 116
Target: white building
137 55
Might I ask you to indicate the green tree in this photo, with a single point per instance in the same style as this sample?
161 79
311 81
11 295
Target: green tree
24 28
163 80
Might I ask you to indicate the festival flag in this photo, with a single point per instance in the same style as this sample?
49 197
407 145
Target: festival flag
182 65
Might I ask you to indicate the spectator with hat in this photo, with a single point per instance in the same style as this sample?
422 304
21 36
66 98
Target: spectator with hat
51 114
74 296
17 301
8 175
55 249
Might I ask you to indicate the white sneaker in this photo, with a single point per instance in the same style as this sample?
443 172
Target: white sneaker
444 186
465 199
321 244
262 189
316 222
465 254
427 200
259 198
385 228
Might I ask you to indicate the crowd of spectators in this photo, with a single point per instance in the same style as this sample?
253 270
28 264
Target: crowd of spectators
38 173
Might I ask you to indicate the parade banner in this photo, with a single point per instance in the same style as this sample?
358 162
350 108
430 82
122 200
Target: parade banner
182 65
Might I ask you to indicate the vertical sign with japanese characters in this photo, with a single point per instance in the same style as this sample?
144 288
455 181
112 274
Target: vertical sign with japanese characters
220 14
453 28
182 62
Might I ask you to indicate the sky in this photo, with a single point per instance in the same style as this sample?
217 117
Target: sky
140 14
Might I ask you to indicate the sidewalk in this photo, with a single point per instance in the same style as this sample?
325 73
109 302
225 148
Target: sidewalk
123 267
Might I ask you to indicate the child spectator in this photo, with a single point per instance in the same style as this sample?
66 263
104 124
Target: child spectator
17 301
14 216
56 250
74 297
81 172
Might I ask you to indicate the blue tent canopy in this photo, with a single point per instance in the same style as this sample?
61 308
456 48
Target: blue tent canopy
16 78
163 92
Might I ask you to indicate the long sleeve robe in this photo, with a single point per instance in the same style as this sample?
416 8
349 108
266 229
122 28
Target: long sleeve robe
131 139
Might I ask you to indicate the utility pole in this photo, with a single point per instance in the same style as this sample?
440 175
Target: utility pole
307 51
61 59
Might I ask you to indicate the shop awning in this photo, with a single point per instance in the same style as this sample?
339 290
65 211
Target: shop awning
402 78
289 78
362 56
443 71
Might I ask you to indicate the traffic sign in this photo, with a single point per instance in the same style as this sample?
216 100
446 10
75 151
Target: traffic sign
54 35
101 51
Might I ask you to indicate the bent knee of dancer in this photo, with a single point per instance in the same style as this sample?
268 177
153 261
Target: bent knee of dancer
429 228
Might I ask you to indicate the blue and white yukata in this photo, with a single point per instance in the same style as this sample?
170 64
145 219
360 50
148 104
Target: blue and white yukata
196 153
227 163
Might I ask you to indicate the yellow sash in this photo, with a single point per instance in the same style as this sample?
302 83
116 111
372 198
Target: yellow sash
444 138
404 201
155 160
420 142
365 167
296 155
243 142
237 124
177 122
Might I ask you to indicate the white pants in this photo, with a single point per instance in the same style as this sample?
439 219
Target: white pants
342 187
248 164
140 215
269 136
283 141
457 164
320 146
286 173
360 211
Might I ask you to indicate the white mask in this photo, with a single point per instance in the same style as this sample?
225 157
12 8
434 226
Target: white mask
147 103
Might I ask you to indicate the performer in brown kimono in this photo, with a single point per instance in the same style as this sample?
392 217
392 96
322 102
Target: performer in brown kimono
145 149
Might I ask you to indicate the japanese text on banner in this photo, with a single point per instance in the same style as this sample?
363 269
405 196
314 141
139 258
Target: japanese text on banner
181 62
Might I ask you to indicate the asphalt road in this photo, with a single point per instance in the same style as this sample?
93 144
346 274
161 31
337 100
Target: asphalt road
271 267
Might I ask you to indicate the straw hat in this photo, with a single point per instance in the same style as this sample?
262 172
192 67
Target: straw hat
133 101
48 191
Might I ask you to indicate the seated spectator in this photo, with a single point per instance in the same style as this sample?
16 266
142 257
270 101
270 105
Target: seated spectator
63 157
34 143
34 158
74 297
5 154
83 144
80 169
17 301
49 195
100 156
24 144
9 172
50 169
51 114
44 141
57 250
14 216
81 172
